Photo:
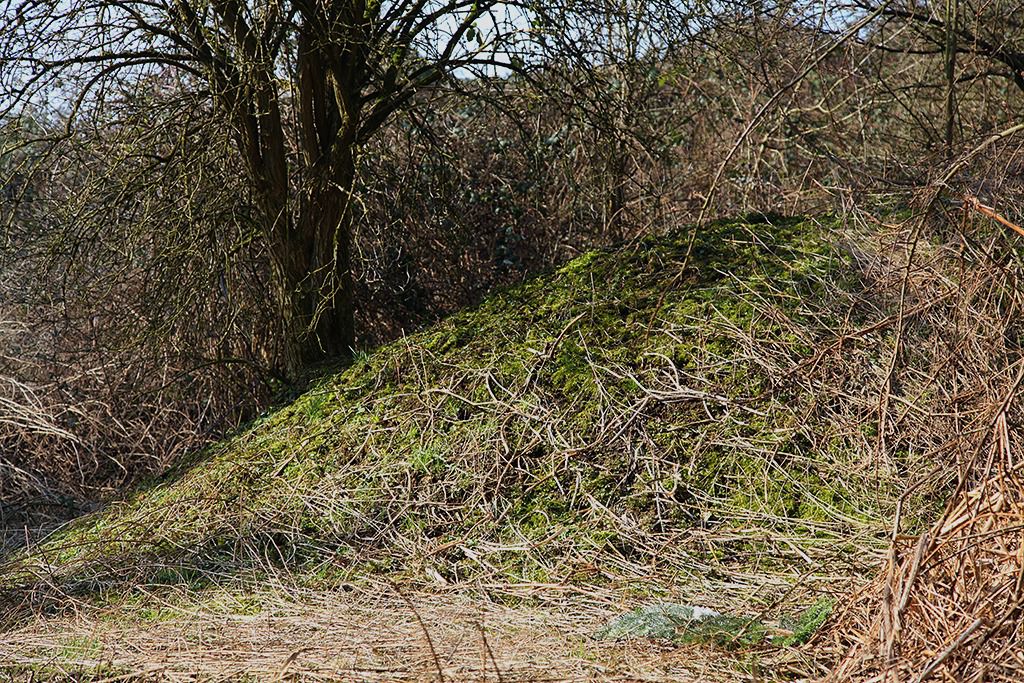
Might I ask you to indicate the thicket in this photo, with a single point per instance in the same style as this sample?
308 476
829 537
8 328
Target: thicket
137 320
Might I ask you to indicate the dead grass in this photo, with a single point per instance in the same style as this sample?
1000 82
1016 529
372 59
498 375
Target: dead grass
947 604
375 635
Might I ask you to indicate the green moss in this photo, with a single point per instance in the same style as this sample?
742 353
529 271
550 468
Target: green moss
805 624
724 632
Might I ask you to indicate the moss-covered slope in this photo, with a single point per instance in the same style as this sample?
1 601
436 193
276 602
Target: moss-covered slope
651 410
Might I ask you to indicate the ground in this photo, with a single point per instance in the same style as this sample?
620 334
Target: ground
375 634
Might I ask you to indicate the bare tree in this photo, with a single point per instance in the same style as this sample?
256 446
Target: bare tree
990 33
303 86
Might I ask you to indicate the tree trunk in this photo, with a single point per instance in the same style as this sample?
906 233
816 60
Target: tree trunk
308 226
311 264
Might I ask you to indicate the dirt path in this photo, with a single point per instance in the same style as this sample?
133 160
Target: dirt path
356 636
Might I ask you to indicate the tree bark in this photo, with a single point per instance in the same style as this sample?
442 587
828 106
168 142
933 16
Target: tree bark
309 229
311 267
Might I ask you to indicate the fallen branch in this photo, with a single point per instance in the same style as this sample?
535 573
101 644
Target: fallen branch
972 202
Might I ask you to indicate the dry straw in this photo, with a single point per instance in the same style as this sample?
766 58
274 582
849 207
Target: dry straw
947 606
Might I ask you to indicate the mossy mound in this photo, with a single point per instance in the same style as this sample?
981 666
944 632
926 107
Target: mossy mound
653 410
